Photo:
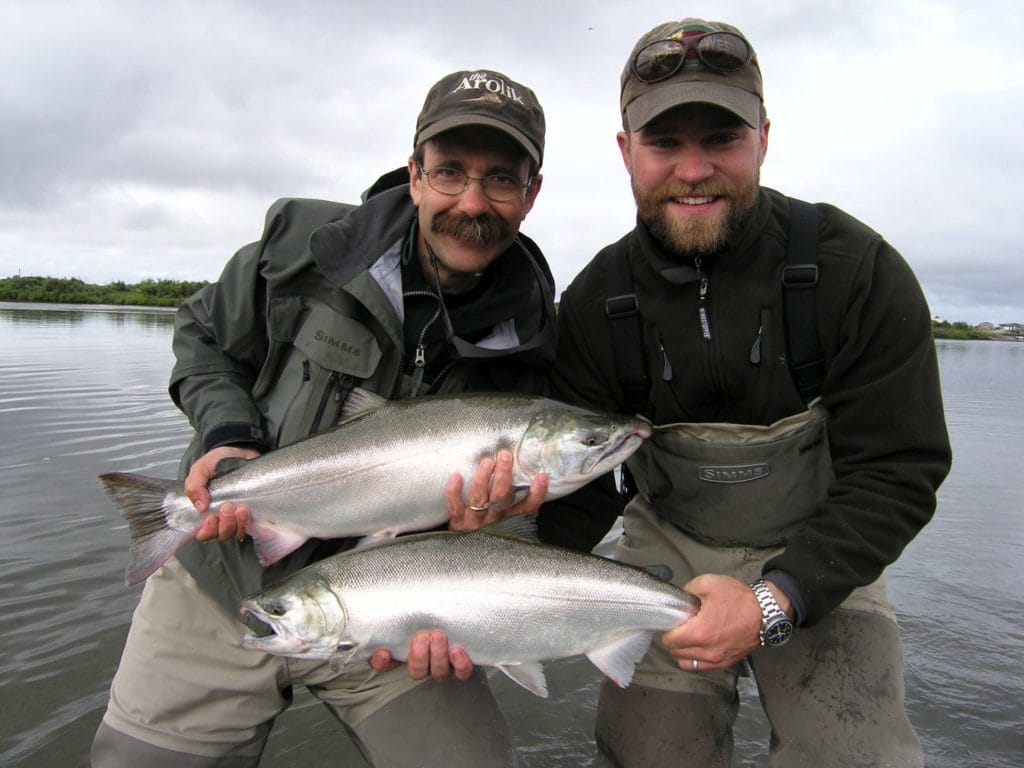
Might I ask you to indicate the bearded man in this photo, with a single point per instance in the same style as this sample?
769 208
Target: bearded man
784 353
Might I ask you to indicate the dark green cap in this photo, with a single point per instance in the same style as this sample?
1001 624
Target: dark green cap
485 98
739 92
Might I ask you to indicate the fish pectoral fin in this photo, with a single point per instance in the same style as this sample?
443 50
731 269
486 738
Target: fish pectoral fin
273 542
529 674
618 659
342 656
359 402
378 537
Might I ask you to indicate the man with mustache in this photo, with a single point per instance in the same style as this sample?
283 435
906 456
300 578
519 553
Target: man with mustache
427 287
777 486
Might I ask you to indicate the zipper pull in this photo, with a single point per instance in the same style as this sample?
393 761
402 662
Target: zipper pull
421 356
305 369
755 351
702 294
666 367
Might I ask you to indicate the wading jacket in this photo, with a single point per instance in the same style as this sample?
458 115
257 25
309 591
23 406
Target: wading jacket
886 428
267 354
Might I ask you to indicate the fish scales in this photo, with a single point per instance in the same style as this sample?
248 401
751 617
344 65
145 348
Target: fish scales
380 473
509 603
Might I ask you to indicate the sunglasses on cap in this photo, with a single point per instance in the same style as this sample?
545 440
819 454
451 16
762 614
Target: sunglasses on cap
719 51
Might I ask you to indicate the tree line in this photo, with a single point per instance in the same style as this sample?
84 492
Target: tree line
170 293
71 290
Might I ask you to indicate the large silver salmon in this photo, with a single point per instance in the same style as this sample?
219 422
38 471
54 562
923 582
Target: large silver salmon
510 603
379 473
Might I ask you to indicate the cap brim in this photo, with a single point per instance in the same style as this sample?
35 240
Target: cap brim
461 121
647 106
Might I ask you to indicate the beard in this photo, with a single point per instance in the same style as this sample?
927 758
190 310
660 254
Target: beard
695 237
479 230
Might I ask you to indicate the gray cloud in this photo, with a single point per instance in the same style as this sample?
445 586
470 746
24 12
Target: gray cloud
147 139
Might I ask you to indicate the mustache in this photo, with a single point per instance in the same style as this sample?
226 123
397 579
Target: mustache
482 230
707 189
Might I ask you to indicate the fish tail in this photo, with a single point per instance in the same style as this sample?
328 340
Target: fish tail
160 520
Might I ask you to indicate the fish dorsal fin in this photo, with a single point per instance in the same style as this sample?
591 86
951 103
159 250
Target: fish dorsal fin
618 659
517 527
529 674
360 401
272 542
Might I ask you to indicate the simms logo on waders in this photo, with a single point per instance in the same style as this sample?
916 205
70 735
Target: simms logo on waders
741 473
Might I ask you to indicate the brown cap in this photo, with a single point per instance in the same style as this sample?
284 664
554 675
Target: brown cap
486 98
739 92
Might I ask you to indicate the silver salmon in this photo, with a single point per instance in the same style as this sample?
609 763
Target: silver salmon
510 603
379 473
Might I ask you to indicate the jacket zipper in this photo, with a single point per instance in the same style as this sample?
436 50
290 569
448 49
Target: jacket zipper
420 355
339 386
702 296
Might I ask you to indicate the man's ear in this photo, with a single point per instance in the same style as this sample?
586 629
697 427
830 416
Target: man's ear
415 180
625 145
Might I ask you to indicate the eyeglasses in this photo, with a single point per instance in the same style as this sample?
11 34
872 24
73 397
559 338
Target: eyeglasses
720 51
498 187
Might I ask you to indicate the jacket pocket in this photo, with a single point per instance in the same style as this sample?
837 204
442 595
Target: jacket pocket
318 356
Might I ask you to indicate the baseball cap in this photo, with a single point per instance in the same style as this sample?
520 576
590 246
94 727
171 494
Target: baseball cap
486 98
739 91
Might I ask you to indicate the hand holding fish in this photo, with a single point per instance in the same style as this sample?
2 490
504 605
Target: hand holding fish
428 655
725 629
230 520
490 494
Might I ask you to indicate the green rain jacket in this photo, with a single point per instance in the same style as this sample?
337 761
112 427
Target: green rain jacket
266 355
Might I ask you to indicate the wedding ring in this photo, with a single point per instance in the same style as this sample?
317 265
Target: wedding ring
695 665
475 508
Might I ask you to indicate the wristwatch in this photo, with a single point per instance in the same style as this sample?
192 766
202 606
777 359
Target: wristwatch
776 626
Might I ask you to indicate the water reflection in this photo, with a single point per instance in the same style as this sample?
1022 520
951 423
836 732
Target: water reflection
83 391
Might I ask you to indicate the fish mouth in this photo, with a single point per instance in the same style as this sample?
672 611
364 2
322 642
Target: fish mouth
280 641
621 449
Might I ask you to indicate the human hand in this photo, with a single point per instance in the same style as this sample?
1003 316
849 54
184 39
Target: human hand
429 654
491 494
725 629
230 520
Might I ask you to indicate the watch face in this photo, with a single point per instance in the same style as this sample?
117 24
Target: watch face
778 632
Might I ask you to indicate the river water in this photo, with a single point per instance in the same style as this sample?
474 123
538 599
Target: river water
83 391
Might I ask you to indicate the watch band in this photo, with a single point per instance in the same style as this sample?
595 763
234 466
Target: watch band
776 626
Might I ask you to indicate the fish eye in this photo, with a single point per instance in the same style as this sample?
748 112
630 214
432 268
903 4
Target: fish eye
277 608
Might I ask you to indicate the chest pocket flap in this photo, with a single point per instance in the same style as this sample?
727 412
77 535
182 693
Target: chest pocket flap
339 343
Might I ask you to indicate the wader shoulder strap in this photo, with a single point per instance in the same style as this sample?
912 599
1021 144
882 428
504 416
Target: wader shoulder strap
623 314
799 280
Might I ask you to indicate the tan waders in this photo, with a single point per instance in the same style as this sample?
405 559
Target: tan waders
187 694
719 498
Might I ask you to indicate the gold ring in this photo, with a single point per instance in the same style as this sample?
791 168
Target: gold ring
695 665
475 508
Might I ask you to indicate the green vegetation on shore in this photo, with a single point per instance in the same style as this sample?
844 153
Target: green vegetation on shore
170 293
943 330
64 290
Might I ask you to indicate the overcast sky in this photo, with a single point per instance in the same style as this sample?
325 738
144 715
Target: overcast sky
146 139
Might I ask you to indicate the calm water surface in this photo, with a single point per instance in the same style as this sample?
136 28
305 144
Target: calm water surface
83 391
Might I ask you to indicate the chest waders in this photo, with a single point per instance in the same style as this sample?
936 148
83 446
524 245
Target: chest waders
721 498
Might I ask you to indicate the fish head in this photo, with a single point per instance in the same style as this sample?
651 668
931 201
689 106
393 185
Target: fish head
574 445
307 620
